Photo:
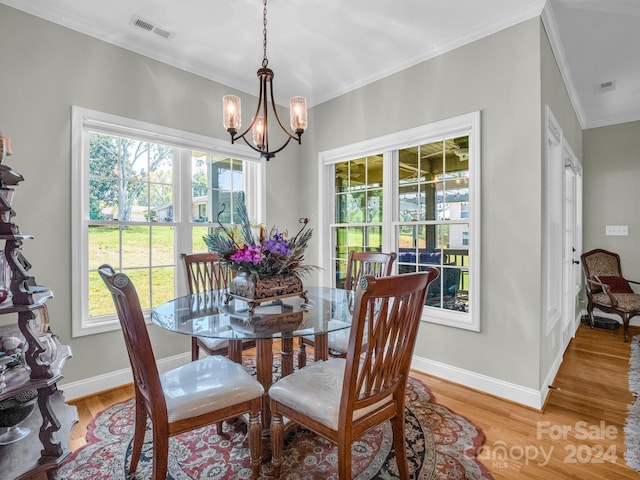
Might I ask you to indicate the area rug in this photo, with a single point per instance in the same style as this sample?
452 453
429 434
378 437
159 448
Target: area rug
632 424
441 445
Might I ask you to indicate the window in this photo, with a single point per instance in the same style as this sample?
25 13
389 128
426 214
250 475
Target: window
142 195
358 210
415 193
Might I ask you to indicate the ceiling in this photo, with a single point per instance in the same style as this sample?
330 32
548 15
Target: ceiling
323 48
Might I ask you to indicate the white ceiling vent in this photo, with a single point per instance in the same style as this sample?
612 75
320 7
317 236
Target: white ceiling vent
605 86
139 22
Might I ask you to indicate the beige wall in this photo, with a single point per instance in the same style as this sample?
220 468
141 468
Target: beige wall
612 192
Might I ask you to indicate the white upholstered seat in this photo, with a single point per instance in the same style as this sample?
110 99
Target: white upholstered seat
212 383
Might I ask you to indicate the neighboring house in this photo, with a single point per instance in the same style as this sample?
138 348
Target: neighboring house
199 208
510 77
138 214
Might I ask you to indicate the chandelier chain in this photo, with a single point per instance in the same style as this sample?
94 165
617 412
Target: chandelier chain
259 126
265 62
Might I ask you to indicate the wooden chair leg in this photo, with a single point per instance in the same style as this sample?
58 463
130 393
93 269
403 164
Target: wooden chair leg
195 349
302 355
139 429
277 443
160 452
255 441
625 327
344 459
399 445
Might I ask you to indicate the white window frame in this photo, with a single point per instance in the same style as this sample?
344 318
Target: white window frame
463 125
554 209
85 120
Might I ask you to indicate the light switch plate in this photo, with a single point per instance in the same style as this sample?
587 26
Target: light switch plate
618 230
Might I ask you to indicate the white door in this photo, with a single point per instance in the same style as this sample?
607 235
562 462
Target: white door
572 226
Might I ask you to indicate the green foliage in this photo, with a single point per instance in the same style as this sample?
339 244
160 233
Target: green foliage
120 172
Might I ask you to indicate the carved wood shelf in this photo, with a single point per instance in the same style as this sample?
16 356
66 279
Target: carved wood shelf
51 420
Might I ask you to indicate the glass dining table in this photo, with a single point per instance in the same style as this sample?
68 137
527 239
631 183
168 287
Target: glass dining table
214 314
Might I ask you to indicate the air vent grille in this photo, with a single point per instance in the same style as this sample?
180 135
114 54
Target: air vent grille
605 86
142 24
139 22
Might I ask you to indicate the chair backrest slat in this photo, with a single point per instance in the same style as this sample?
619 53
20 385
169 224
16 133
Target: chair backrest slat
359 264
389 308
205 272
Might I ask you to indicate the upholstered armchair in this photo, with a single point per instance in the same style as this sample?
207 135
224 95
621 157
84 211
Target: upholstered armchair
606 287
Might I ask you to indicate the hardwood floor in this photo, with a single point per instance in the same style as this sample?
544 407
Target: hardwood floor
580 433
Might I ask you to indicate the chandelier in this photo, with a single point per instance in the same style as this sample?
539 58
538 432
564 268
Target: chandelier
260 123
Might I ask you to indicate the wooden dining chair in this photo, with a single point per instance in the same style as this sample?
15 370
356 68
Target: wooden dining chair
359 263
340 399
204 273
199 393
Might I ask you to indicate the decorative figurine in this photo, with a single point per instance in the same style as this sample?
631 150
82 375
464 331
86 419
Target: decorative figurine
5 146
7 176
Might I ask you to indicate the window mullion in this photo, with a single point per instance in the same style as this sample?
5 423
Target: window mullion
390 200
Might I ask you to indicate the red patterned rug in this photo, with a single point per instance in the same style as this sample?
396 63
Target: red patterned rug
441 445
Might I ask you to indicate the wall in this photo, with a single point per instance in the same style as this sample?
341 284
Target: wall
612 192
500 76
45 70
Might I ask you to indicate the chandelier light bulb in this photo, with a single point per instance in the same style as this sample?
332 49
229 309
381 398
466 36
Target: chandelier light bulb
258 132
231 113
298 113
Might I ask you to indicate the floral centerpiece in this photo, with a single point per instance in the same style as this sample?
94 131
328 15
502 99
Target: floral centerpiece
265 265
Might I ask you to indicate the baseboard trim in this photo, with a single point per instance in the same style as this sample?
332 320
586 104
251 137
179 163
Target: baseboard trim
493 386
108 381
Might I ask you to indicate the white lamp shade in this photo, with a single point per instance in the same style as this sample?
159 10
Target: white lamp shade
231 112
258 132
298 113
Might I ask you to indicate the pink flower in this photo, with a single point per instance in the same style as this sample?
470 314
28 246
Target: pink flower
248 253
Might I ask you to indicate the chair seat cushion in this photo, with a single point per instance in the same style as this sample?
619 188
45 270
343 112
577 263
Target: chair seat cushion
201 386
338 339
217 343
214 343
316 390
616 284
627 302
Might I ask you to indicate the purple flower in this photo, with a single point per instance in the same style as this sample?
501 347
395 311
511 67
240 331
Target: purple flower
277 245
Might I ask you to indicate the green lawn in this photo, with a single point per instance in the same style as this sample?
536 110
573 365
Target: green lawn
141 246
